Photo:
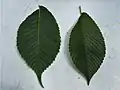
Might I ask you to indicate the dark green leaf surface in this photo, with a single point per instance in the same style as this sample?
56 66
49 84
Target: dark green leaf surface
86 46
38 40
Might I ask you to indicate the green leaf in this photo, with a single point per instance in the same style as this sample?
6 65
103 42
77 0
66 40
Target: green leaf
86 46
38 40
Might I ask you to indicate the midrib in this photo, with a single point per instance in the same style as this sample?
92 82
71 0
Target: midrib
39 27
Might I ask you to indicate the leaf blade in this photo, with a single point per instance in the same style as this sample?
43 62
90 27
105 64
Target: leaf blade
38 40
87 46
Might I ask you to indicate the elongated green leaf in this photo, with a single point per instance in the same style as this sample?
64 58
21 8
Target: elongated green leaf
38 40
86 46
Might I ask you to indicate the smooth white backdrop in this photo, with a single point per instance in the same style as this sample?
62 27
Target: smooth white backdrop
14 73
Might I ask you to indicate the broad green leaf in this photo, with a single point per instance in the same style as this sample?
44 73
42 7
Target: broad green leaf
38 40
86 46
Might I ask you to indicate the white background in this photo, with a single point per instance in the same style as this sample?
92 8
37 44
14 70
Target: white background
14 73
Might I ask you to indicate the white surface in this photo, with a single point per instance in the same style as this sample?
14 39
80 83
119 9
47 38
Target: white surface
15 75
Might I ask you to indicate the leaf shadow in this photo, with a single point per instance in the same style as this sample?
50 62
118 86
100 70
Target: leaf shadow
67 53
66 49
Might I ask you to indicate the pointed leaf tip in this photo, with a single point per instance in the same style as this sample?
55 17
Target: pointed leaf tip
40 81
